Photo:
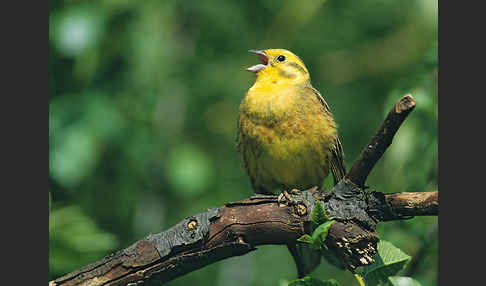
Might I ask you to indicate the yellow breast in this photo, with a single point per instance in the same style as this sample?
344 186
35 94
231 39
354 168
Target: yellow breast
285 136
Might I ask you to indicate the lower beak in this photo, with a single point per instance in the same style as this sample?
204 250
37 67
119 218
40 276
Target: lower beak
264 59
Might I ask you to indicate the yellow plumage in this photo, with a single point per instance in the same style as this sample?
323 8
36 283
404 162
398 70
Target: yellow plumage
287 136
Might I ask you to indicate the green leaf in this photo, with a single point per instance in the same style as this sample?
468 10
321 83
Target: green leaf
320 225
320 233
309 281
318 215
388 261
402 281
305 239
359 279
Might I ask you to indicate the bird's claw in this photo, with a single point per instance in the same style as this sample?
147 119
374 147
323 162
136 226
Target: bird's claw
285 198
295 192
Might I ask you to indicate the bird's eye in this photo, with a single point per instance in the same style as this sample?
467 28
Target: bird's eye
281 58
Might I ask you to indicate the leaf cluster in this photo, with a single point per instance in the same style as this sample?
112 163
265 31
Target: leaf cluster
320 225
389 261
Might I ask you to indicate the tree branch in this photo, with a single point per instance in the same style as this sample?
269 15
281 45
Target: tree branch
411 204
380 142
236 228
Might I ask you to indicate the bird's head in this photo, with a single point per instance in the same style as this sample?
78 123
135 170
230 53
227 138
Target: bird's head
279 66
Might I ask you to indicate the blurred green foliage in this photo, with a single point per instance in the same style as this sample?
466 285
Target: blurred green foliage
144 98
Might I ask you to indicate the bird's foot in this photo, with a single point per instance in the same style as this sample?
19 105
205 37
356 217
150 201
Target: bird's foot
286 199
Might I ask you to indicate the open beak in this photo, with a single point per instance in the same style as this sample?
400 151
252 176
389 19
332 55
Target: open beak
263 58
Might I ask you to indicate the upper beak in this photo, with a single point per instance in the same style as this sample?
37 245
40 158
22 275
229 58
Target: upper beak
264 59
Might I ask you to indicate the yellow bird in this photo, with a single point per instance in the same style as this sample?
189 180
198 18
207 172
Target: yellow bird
287 137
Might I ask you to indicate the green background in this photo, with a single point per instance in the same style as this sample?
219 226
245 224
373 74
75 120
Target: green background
144 98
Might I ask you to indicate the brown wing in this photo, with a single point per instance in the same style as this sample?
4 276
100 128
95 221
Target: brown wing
336 159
